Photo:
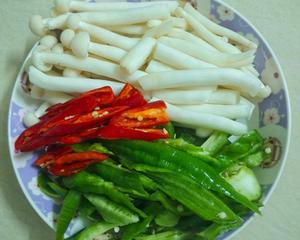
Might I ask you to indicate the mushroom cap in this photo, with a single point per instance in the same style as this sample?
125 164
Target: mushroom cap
37 25
73 21
48 41
80 44
57 48
62 6
66 37
54 12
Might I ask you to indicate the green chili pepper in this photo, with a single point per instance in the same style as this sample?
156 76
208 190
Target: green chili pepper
170 129
43 182
169 235
95 231
213 231
192 149
215 143
89 183
162 156
189 135
67 212
165 201
58 189
133 230
86 209
86 147
202 202
111 211
166 219
128 180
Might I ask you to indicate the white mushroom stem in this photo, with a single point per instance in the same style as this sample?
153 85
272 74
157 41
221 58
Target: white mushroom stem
41 109
205 34
101 34
205 120
81 6
40 26
203 132
156 66
204 54
138 55
125 17
228 111
198 96
68 72
181 34
218 29
29 119
162 29
227 77
69 84
52 97
57 48
92 65
137 29
178 59
154 23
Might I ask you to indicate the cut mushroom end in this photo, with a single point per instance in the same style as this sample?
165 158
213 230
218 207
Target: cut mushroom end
30 119
80 44
66 37
73 21
37 26
62 6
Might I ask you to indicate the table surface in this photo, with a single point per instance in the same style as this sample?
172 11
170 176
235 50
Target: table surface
277 20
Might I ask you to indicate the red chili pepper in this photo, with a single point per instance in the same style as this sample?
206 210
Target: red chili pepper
103 96
66 170
129 96
80 157
73 124
49 157
149 115
115 132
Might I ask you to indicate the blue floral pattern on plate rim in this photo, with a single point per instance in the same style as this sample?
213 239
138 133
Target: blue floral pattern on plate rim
273 115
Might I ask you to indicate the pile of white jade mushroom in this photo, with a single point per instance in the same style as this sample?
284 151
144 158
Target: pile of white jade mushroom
166 49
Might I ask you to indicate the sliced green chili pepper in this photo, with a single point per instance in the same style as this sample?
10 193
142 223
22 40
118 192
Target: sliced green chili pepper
133 230
95 231
188 135
86 209
58 189
202 202
67 212
162 156
121 177
170 129
215 143
111 211
165 201
86 147
89 183
166 219
170 235
43 182
192 149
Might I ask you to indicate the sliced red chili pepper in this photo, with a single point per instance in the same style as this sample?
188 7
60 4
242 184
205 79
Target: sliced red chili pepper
129 96
67 170
104 96
49 157
73 124
114 132
149 115
79 157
